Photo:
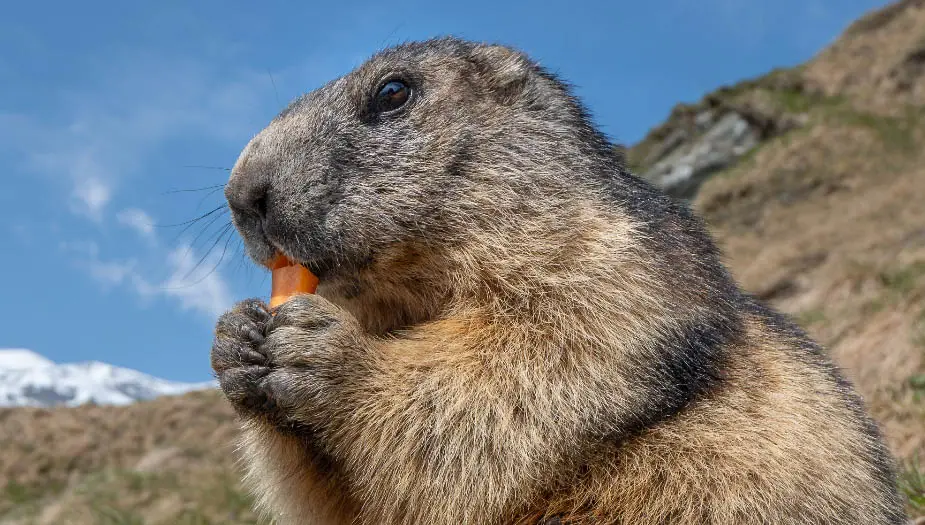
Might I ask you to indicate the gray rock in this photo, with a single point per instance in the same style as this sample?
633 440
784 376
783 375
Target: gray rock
683 166
704 120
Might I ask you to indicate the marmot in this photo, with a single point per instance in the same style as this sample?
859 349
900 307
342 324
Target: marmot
511 328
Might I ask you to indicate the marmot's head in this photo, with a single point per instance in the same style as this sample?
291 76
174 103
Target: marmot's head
418 146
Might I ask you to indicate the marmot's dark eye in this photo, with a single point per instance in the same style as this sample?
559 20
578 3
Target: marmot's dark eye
393 95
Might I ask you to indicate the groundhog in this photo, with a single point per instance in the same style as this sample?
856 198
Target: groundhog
510 327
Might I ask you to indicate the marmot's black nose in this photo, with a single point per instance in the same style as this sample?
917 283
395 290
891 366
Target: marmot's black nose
247 191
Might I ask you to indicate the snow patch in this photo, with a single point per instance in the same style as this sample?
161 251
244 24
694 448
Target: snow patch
28 379
21 359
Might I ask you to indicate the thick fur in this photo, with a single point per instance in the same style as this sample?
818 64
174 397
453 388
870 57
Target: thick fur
511 328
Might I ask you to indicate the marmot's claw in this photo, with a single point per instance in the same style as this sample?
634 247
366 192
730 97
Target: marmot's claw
307 312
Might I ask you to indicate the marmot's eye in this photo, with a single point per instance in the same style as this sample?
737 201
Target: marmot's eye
392 95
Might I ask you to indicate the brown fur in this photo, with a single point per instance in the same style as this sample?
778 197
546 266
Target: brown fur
560 341
779 442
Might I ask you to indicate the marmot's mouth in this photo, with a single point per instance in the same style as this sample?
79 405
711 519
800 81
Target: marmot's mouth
322 269
319 267
330 268
325 267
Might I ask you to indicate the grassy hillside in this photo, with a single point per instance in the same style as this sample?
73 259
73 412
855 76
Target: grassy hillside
168 461
823 217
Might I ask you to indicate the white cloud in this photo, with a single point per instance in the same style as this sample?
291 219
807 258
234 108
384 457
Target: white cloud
92 141
197 287
138 220
89 197
112 273
95 139
86 254
87 249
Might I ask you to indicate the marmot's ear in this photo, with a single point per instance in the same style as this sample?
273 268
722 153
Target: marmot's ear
504 71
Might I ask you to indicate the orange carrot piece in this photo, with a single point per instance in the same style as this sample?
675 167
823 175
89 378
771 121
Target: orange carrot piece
288 279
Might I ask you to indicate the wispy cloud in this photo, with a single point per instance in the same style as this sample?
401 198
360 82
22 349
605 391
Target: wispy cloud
93 141
190 280
99 137
85 249
137 220
112 273
197 286
89 197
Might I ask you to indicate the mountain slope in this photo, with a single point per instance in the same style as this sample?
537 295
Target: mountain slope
28 379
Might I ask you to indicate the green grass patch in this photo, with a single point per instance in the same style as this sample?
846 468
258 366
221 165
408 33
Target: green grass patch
126 497
810 317
110 515
918 334
896 133
912 483
917 382
903 281
18 494
874 307
18 499
796 101
194 517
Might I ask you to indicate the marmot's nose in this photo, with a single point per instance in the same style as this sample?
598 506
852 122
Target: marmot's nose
247 195
247 190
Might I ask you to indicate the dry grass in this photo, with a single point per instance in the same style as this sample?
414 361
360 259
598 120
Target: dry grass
168 461
879 61
823 224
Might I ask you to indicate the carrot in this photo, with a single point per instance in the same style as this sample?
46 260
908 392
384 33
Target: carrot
289 279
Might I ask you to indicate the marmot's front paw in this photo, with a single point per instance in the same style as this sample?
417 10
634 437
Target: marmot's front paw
280 366
314 348
236 356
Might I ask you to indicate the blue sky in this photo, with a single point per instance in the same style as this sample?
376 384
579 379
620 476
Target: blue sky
106 105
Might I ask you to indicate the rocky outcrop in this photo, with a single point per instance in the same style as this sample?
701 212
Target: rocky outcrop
684 164
878 65
702 139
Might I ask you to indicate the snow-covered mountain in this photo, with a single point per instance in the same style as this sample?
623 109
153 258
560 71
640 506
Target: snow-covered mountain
28 379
